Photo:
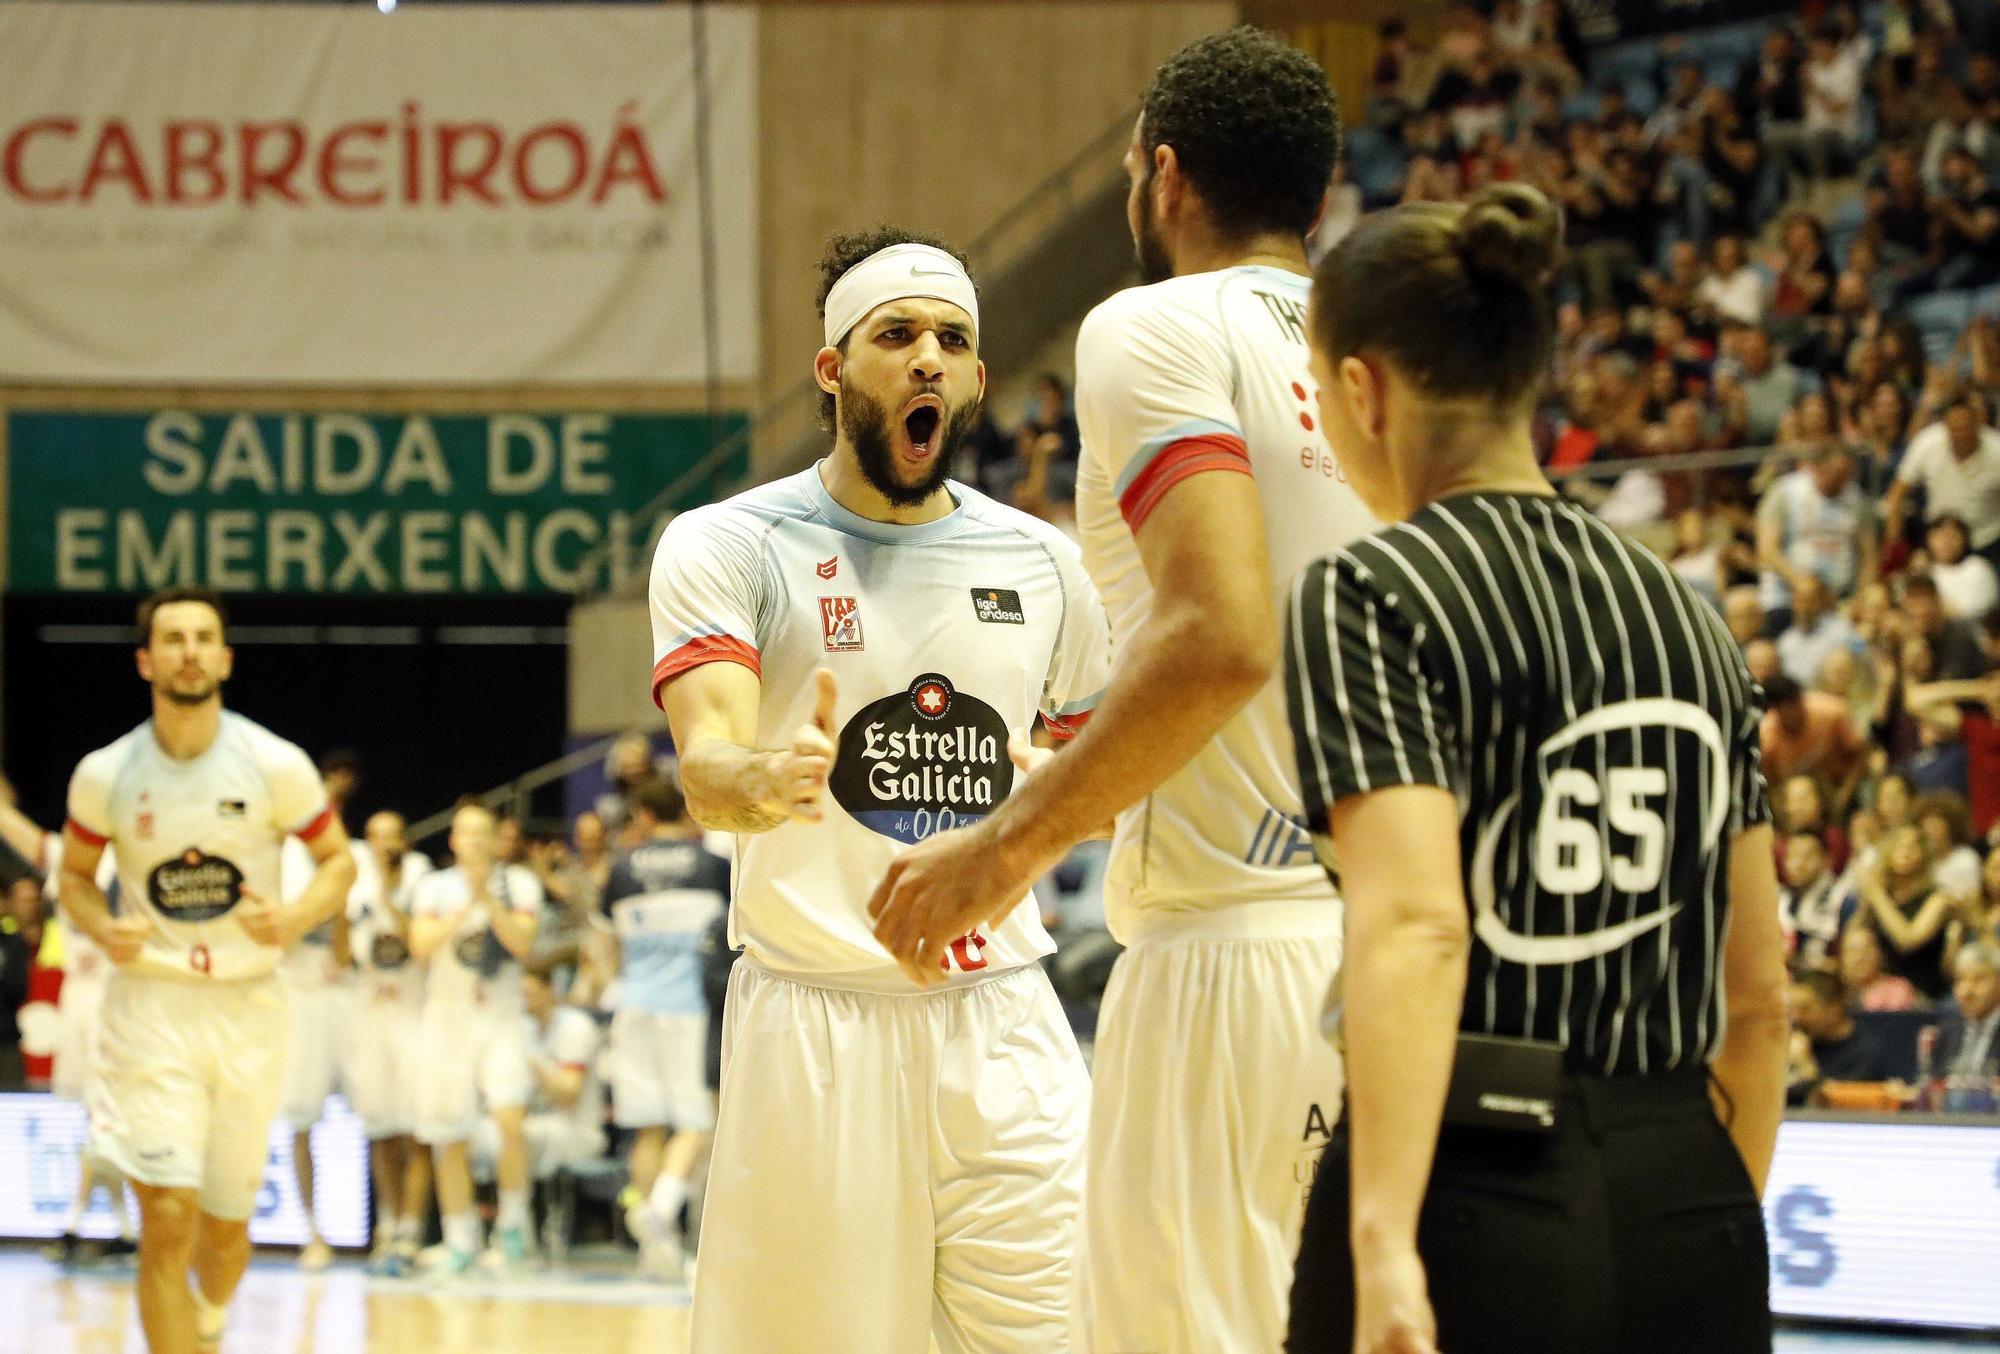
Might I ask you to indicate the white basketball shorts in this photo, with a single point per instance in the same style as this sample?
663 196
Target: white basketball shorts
322 1014
76 1029
659 1071
383 1065
889 1170
1215 1095
473 1060
188 1073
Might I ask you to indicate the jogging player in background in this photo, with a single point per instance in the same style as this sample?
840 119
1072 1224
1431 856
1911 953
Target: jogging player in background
195 803
383 1063
1204 486
662 896
473 924
319 973
845 656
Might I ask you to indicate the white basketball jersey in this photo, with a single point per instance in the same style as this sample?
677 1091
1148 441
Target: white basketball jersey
193 836
473 970
1208 373
379 942
944 637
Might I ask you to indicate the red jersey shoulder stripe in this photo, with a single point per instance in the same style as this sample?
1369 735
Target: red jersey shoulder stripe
84 834
704 649
1176 461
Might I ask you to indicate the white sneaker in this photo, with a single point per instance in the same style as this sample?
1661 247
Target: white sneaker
444 1261
316 1256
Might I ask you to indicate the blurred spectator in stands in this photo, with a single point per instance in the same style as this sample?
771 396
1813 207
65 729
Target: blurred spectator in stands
1907 911
1808 906
1895 802
1808 733
1978 917
1957 649
1680 101
1840 676
1912 87
1969 713
1676 291
510 845
1733 165
1964 129
1049 427
1392 92
1760 656
1801 807
1968 1043
1697 556
1474 96
1947 827
573 881
1956 463
1832 90
1967 585
1869 987
1817 631
1770 93
1899 214
1735 291
1816 523
1608 224
1769 384
1804 279
1743 613
1965 226
20 938
1878 435
1828 1044
629 762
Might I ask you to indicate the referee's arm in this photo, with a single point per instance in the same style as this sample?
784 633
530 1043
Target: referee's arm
1749 1069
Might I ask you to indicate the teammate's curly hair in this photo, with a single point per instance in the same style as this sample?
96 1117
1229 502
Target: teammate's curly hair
842 253
1253 123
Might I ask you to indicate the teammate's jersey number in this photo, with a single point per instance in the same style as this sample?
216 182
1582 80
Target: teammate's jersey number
1569 849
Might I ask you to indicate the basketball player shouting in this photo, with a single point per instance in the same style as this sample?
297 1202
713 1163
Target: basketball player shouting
889 1166
191 1043
1204 487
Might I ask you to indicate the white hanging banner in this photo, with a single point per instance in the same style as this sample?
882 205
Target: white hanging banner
326 195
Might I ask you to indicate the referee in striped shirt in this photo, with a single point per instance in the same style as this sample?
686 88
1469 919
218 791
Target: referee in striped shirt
1535 752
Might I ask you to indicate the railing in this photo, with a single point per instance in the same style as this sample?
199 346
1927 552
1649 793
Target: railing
1024 223
515 796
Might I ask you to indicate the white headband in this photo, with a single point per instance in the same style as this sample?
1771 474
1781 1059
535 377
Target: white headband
894 274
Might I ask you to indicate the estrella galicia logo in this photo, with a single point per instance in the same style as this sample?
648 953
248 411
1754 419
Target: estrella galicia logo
194 886
998 606
388 952
924 760
481 952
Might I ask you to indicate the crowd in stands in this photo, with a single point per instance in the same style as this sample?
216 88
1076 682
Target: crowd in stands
1784 242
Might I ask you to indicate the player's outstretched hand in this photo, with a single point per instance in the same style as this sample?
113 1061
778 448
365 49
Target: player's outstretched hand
260 920
800 772
125 939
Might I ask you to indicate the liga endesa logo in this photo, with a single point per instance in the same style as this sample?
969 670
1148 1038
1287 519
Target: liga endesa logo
409 160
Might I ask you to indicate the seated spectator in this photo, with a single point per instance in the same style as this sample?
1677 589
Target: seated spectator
1965 226
1801 807
1807 733
1869 987
1474 96
1840 677
1808 905
986 456
1831 84
17 957
1957 648
1828 1044
1804 276
1770 385
1907 911
1760 656
1697 558
1341 214
1964 129
1976 726
1967 585
1743 613
1899 214
1817 631
1978 916
1947 828
1734 291
1968 1043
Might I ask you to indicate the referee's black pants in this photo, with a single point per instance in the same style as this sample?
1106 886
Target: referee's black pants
1632 1228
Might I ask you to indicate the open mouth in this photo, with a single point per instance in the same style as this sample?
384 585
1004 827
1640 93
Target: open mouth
921 425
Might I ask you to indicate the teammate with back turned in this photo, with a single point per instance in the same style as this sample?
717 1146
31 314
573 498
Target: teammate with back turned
191 1042
890 1166
1204 487
1536 753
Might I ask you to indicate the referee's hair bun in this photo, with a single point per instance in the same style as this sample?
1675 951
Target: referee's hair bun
1510 232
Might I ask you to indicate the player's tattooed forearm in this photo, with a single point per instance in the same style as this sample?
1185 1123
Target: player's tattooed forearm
744 818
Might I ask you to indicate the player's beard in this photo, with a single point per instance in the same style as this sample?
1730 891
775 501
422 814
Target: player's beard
871 430
1154 265
190 696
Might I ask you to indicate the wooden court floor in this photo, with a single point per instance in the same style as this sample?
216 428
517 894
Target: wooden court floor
281 1311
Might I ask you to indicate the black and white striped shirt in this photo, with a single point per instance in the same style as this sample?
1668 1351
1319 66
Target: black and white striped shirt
1600 732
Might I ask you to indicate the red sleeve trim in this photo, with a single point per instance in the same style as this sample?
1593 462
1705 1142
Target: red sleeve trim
84 834
316 826
1178 461
706 649
1062 728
